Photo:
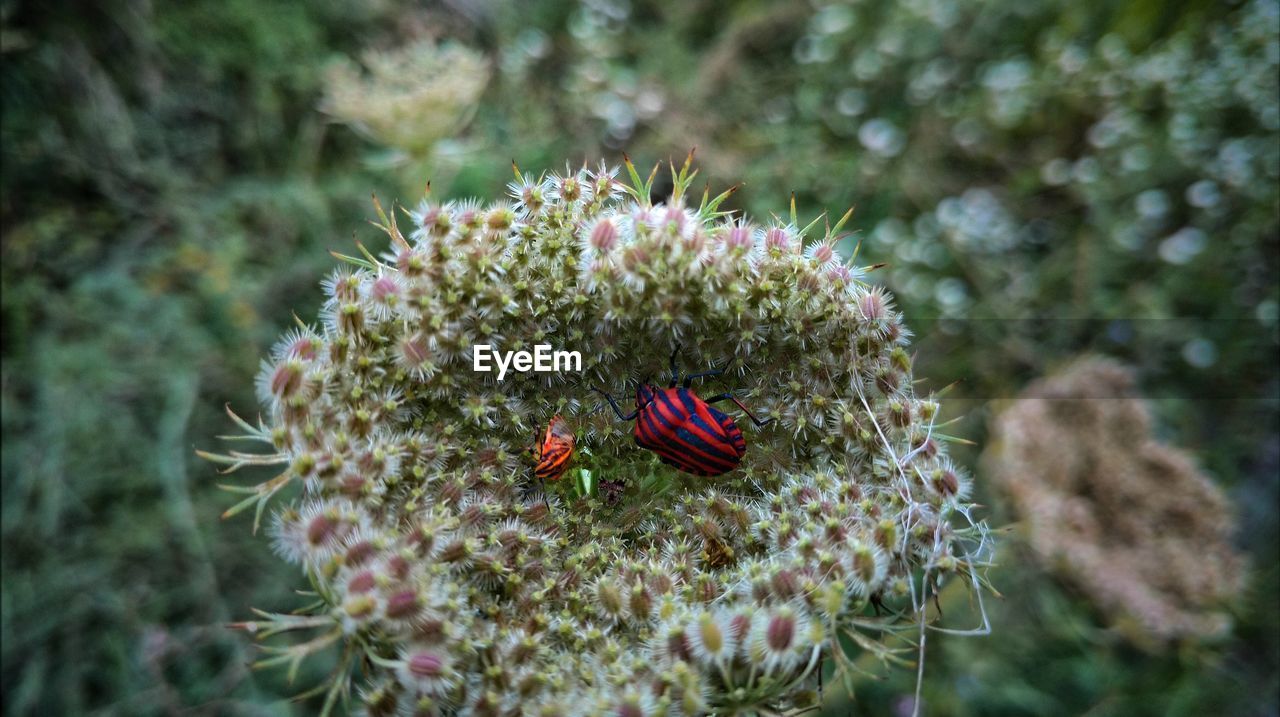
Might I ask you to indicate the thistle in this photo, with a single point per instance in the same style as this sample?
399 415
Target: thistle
461 584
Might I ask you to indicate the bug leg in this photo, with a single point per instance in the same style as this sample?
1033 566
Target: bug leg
617 410
730 397
675 373
688 380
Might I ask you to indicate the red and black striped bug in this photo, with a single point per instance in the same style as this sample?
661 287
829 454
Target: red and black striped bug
684 430
553 451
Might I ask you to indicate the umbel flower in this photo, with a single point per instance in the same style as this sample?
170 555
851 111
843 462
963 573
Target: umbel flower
411 97
1129 520
459 585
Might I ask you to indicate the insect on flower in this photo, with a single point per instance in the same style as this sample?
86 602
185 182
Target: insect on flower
553 452
684 430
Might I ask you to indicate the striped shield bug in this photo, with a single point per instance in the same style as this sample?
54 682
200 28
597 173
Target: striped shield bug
552 452
684 429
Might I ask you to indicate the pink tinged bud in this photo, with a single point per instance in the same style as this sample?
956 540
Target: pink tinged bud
630 709
738 237
840 274
321 530
437 221
531 197
359 552
635 257
455 551
600 271
739 625
872 306
784 584
352 484
780 632
414 350
451 492
398 567
696 241
346 288
426 664
432 629
362 582
304 348
850 492
605 235
776 238
385 290
675 217
649 217
286 380
403 604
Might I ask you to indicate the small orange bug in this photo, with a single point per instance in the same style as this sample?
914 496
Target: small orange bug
553 452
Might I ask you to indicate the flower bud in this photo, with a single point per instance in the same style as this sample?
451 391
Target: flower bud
604 237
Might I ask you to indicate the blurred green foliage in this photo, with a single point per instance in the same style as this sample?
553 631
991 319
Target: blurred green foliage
162 211
1042 177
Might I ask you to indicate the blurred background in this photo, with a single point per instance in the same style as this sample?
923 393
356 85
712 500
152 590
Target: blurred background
1044 180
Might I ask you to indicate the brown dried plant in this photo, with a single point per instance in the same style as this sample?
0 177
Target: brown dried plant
1130 521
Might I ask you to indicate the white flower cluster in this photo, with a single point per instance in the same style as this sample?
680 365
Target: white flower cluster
471 590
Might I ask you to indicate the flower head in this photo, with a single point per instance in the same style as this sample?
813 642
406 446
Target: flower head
471 586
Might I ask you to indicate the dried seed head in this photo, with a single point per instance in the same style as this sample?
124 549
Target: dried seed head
1096 491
